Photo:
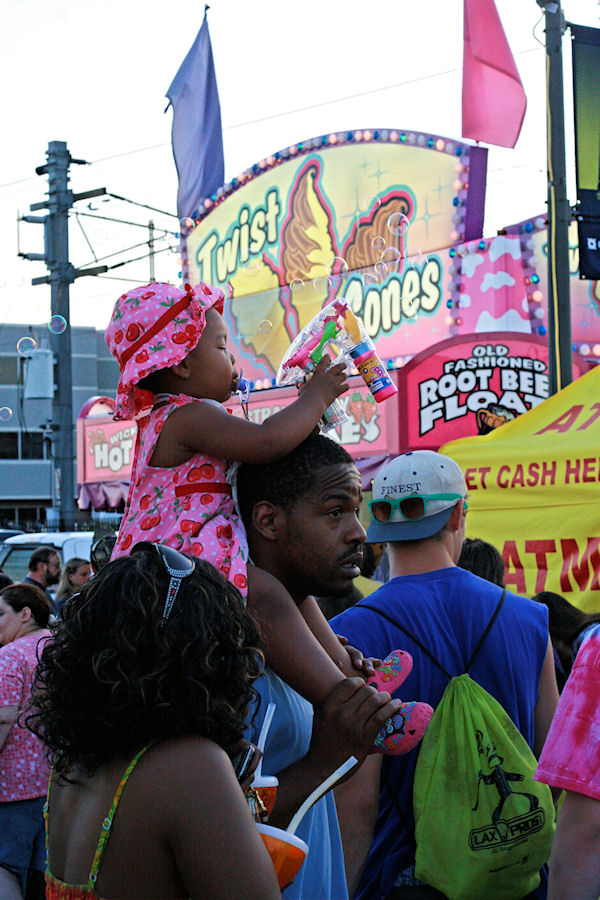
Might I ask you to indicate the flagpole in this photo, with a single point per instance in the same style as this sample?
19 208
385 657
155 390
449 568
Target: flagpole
560 353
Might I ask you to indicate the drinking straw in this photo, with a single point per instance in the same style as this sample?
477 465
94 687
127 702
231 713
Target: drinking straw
319 791
262 737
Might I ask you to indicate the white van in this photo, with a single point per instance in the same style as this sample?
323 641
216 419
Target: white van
15 552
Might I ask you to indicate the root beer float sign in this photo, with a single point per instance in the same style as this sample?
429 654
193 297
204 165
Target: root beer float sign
366 215
471 385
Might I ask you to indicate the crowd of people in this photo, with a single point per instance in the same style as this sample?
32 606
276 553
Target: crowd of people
130 695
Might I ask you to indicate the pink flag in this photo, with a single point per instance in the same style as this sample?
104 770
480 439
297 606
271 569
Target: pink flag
493 99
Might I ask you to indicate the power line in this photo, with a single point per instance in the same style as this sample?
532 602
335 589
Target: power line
136 259
143 205
90 215
280 115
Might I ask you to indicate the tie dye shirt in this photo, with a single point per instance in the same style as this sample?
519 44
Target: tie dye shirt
571 756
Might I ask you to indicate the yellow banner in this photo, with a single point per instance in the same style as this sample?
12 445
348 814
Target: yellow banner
534 492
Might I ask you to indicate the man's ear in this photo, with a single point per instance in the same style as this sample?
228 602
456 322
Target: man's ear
267 519
456 518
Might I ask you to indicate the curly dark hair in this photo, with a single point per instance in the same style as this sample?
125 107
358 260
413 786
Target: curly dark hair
286 481
114 679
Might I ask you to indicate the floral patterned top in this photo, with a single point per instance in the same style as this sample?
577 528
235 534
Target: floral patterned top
24 769
189 507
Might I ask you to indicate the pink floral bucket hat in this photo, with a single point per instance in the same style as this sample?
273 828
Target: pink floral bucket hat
155 327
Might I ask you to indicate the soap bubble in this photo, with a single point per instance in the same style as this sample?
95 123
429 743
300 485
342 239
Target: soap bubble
296 285
252 266
265 326
369 201
415 258
390 255
398 223
369 277
57 324
322 283
381 269
378 244
338 266
26 345
186 226
5 413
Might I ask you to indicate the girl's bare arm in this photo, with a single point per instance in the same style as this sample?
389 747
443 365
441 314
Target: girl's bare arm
292 650
208 428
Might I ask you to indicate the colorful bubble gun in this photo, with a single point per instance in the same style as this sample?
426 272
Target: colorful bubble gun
336 329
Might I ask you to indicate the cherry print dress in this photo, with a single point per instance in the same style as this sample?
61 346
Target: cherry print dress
189 507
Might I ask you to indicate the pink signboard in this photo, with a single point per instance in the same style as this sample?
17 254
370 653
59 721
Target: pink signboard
532 235
104 449
470 385
487 288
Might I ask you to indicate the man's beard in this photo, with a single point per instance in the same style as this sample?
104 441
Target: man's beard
51 579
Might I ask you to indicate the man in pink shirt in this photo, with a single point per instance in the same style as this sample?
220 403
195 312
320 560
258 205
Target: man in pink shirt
24 769
570 760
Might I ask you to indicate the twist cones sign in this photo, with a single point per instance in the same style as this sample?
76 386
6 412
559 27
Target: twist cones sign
358 216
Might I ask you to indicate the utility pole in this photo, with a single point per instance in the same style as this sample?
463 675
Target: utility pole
560 353
62 275
151 249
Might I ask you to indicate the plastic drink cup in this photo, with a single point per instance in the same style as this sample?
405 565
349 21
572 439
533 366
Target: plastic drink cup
287 852
372 370
266 788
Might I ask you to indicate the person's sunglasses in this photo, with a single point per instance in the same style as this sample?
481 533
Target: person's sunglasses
411 508
177 565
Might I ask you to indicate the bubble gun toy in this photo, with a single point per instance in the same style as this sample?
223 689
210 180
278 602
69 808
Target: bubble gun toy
337 329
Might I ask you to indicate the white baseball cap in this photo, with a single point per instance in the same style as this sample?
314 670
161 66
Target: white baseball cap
435 479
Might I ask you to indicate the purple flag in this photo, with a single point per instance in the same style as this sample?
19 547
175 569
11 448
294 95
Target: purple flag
196 135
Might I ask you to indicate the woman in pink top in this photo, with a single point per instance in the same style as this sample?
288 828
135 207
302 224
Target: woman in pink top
24 770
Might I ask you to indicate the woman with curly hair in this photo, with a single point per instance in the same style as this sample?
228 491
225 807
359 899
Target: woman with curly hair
141 698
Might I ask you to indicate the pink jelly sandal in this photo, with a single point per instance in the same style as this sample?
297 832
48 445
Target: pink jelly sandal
404 730
392 672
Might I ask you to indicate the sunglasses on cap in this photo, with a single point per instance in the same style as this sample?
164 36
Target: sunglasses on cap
177 565
411 508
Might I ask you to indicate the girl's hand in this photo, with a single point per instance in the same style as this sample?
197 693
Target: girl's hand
327 381
363 664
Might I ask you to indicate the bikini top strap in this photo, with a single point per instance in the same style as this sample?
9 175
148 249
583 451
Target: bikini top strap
46 806
107 824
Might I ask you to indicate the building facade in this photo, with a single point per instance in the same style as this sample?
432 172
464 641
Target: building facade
28 487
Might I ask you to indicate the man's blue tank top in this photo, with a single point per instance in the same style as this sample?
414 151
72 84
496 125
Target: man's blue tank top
448 611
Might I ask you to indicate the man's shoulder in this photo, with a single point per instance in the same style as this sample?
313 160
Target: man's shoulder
29 580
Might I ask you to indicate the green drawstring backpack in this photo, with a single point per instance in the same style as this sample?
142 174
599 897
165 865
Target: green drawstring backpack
483 825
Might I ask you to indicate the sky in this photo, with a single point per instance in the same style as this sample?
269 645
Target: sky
95 76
